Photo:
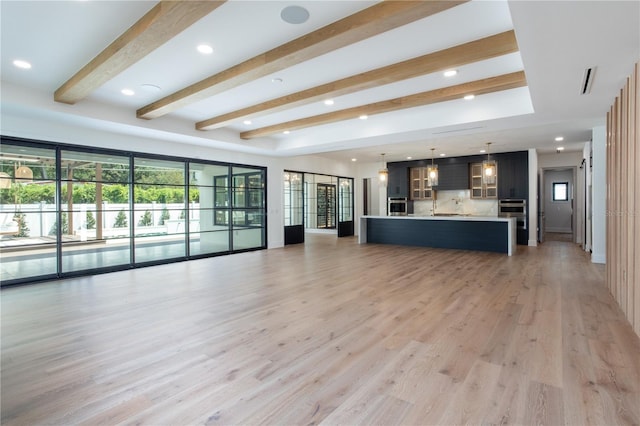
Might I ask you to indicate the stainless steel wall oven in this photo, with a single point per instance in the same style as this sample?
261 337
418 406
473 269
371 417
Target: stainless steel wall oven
397 206
514 208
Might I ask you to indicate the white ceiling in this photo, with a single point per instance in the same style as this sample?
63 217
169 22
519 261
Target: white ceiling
558 40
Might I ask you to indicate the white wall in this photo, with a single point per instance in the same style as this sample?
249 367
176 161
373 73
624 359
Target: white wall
599 196
533 198
586 154
378 191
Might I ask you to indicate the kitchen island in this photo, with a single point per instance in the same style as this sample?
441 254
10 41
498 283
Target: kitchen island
483 233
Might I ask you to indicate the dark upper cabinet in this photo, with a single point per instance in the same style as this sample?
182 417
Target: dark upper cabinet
398 184
453 176
513 175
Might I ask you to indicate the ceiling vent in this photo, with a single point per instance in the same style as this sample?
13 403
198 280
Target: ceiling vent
587 80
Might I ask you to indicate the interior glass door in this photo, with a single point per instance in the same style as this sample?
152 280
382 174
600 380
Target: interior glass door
345 207
293 207
326 218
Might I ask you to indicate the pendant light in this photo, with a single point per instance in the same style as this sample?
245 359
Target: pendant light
489 168
432 172
5 180
25 174
383 173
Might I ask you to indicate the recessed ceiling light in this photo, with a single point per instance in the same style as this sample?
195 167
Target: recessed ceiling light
469 97
22 64
328 102
294 15
482 151
354 159
442 155
559 139
409 157
286 132
363 117
151 88
560 148
127 92
276 80
205 49
247 122
450 73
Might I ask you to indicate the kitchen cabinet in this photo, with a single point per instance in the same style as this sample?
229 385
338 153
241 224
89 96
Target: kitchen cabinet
513 180
479 189
453 176
419 180
398 178
456 173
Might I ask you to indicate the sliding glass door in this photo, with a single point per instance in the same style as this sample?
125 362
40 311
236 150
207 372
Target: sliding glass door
70 210
28 218
94 213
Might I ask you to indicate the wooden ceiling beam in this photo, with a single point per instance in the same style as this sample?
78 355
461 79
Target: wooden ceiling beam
477 50
163 22
367 23
478 87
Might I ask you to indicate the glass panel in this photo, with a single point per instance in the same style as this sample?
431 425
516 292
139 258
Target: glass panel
245 221
247 207
160 210
248 238
211 208
209 242
293 199
248 188
152 248
346 199
221 217
326 195
221 191
242 218
92 167
160 220
239 191
21 264
95 254
165 194
159 172
95 208
202 174
314 206
27 212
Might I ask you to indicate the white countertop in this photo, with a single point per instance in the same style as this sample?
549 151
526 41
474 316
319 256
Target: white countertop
453 217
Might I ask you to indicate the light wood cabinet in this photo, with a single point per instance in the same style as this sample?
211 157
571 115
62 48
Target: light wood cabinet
420 189
479 189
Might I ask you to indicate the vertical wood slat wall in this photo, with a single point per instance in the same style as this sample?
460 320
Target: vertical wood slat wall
623 199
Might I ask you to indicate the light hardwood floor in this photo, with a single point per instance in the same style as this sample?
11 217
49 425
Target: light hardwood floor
328 332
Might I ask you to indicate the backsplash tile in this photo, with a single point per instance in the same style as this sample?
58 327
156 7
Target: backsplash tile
456 202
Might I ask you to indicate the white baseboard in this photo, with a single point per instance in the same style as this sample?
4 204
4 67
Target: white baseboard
598 258
533 243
